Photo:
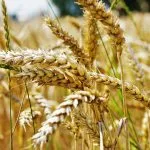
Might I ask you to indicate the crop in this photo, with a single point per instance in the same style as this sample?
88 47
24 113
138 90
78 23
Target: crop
75 83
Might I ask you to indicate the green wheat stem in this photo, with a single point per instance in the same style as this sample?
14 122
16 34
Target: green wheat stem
114 3
10 109
124 100
106 51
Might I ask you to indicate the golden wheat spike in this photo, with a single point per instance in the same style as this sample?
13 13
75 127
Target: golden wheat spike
68 40
98 11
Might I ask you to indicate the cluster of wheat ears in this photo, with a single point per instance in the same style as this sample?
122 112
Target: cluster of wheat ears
100 105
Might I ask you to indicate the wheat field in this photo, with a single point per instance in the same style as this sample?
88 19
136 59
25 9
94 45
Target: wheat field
75 83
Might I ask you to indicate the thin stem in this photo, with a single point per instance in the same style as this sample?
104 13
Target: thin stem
114 3
30 106
19 113
53 12
134 130
10 109
75 142
148 128
124 100
106 51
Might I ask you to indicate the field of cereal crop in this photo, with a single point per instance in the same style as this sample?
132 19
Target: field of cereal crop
75 83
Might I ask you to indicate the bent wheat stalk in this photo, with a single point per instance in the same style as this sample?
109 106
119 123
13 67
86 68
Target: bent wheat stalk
114 82
75 79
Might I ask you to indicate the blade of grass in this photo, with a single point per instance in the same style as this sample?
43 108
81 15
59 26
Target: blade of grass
49 4
124 100
114 4
106 51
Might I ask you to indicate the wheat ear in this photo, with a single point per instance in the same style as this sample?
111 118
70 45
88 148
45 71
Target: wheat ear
39 57
91 37
53 77
26 117
68 40
6 27
47 105
114 82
